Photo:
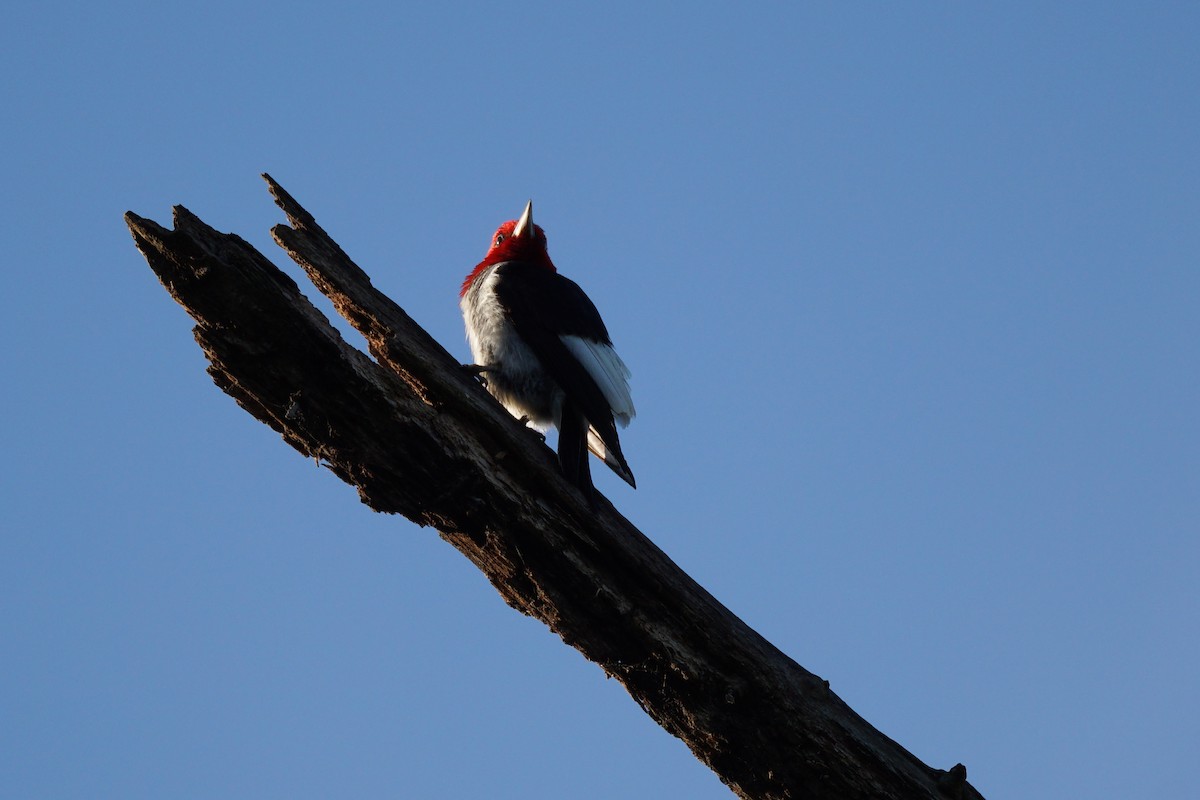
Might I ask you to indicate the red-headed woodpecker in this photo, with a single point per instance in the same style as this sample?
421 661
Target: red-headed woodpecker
544 351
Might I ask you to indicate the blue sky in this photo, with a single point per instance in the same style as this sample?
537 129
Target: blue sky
909 293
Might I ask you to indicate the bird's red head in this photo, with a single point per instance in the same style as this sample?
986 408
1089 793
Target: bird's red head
515 240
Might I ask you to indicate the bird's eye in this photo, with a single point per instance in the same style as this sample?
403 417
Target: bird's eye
499 238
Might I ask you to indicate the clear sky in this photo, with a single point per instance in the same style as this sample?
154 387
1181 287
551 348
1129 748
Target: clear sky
909 291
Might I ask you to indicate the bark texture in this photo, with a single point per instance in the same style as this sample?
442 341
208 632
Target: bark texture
416 435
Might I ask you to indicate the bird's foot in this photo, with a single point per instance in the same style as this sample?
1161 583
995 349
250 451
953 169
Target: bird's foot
477 370
525 421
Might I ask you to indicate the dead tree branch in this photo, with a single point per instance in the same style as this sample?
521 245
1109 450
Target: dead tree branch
417 435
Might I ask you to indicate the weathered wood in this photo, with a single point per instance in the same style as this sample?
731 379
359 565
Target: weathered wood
416 435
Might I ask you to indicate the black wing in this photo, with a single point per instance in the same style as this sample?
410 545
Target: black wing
543 306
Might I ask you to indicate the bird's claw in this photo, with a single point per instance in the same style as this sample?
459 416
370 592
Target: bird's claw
476 371
525 421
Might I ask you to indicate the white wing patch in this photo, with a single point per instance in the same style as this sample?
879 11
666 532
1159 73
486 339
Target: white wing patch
608 371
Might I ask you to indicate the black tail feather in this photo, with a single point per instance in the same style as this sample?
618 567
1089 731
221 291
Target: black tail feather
608 449
573 448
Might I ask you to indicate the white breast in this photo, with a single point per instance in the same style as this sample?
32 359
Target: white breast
517 379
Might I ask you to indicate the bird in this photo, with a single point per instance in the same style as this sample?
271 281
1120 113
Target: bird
543 351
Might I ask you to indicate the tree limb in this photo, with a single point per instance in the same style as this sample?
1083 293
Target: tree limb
416 435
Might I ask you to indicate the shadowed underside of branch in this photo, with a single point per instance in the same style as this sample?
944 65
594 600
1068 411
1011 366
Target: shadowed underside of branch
415 434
